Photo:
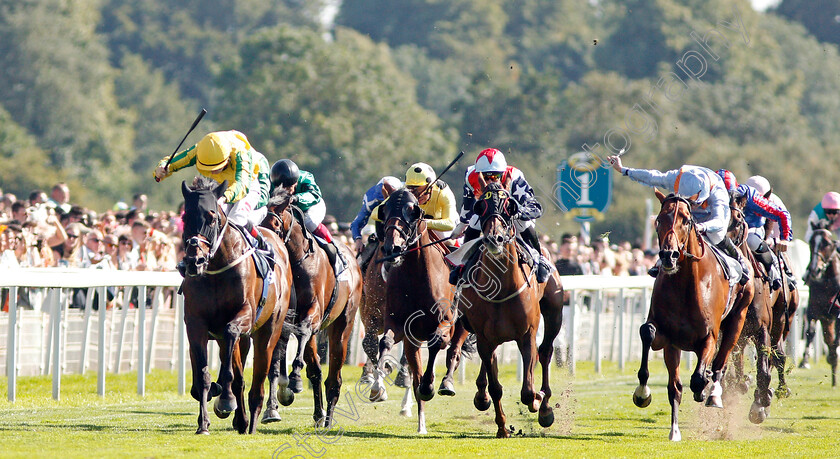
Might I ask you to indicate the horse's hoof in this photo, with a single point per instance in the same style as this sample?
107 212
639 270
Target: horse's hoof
425 393
675 434
223 407
482 403
296 384
546 417
757 414
502 433
714 401
215 391
406 412
783 392
742 387
642 397
446 388
366 379
402 378
805 365
378 396
287 397
201 431
270 416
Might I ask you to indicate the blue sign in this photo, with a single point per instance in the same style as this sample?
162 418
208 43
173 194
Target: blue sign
583 183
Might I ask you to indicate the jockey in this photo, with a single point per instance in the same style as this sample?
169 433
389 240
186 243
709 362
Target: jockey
492 166
437 203
372 198
757 211
227 155
306 196
827 209
709 202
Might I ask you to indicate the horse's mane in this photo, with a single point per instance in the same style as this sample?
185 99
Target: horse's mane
280 197
201 183
821 224
493 186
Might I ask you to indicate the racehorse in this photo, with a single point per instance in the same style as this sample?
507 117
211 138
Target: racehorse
223 300
689 311
502 302
323 303
418 301
824 283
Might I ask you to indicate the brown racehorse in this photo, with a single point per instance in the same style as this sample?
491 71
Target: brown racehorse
688 311
222 294
502 302
418 300
824 283
316 287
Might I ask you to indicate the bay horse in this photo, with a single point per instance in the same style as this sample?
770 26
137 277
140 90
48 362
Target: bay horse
688 311
502 301
223 300
418 300
824 283
323 303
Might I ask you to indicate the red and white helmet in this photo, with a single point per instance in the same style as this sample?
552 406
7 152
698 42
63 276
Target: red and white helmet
831 200
490 160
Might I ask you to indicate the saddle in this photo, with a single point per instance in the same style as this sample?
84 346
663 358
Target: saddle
731 268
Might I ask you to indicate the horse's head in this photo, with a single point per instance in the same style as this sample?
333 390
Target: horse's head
277 219
495 209
737 229
674 227
402 215
823 248
204 223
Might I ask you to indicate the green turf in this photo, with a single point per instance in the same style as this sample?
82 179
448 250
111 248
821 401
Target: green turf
595 417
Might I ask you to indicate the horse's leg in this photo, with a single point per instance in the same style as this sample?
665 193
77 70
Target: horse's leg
672 362
412 355
762 395
482 399
641 396
313 372
370 344
403 375
277 379
240 353
265 341
778 359
488 359
809 337
552 320
197 336
303 335
339 332
377 390
528 349
226 403
426 390
730 331
830 338
453 359
737 379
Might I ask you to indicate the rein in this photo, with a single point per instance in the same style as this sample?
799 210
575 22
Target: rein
693 228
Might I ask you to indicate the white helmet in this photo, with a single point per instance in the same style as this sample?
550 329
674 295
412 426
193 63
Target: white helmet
761 184
490 160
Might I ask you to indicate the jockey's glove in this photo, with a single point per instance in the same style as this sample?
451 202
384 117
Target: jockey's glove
458 231
701 227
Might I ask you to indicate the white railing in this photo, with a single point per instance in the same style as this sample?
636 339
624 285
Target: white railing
601 323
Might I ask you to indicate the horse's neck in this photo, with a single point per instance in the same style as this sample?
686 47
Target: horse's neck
229 248
504 267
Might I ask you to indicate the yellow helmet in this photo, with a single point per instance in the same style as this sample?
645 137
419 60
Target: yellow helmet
420 174
212 152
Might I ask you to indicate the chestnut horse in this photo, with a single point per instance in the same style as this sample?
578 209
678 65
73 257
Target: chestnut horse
502 302
223 301
688 311
418 300
824 283
323 303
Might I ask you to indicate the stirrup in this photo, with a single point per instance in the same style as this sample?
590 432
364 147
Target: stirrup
455 275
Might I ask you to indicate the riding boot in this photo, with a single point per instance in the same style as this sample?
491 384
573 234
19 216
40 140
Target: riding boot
729 247
768 260
368 252
259 241
455 275
331 251
654 270
182 268
543 266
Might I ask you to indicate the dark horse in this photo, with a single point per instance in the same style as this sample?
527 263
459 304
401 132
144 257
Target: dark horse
824 283
222 301
689 311
418 300
502 302
324 302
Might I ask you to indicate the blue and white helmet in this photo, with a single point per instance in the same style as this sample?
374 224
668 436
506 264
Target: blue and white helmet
690 183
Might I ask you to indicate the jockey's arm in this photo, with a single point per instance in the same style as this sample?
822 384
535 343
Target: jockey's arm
242 163
307 192
529 207
369 202
181 160
442 203
715 219
653 177
467 205
771 211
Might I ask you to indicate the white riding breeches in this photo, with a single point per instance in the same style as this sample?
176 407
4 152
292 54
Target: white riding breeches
314 216
243 211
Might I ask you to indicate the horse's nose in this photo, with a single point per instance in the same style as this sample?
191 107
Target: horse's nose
200 261
669 256
498 239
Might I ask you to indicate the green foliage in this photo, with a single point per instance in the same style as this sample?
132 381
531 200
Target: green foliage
818 16
275 92
27 164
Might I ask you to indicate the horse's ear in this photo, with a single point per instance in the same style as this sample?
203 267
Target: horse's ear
185 190
507 181
481 182
659 195
220 190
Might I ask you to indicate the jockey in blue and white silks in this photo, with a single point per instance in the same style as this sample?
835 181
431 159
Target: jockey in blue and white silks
372 198
706 192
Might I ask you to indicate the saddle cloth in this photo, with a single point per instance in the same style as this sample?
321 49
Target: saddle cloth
731 267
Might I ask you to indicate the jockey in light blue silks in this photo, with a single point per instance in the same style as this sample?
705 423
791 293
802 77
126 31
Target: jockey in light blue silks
706 192
374 196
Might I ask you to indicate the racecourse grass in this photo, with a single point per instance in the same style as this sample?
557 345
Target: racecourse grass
595 417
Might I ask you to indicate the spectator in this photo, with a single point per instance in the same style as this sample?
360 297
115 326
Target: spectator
140 202
68 253
567 262
60 197
127 259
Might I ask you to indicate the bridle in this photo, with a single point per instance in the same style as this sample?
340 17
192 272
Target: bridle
494 204
822 261
285 229
692 227
405 225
